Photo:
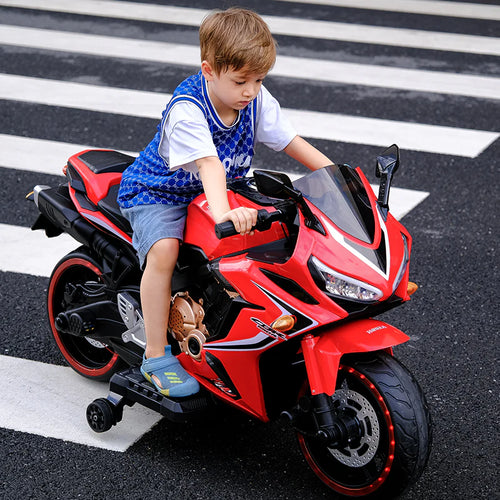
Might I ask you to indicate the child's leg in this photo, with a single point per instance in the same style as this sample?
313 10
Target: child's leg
156 293
159 365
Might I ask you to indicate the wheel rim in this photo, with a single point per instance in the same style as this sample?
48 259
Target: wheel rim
87 356
100 416
355 404
363 466
95 417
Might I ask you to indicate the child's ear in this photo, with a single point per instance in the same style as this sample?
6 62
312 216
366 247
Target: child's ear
207 71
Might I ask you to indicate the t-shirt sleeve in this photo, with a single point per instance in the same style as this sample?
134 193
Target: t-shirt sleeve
272 127
186 137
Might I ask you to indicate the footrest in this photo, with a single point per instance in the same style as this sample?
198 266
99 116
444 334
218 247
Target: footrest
131 385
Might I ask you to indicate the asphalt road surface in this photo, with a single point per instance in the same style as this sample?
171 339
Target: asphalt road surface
353 79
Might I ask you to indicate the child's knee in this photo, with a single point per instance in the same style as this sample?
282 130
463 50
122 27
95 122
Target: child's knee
162 256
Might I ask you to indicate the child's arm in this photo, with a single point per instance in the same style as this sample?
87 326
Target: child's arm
300 150
213 178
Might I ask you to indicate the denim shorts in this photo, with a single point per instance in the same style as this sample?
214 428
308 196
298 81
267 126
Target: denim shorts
151 223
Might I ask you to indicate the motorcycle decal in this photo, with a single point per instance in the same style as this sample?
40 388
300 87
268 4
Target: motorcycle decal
223 382
267 335
103 223
256 343
339 238
376 329
304 322
275 334
224 388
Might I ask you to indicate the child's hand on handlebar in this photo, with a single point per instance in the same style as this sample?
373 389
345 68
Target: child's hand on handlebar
243 218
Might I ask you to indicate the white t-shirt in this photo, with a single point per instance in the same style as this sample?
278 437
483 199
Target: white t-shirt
186 135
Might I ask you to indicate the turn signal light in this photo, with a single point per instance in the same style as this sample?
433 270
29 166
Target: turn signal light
412 288
285 323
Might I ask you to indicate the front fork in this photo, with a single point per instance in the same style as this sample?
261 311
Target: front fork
316 416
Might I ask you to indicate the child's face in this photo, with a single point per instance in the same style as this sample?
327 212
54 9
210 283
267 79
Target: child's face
233 90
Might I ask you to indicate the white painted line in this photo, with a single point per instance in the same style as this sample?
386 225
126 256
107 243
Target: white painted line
40 155
425 7
403 201
49 153
51 401
310 28
395 37
377 132
312 69
372 75
440 82
83 96
18 243
329 126
31 252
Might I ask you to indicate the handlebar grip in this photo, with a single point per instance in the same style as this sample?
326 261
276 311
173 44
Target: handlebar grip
264 219
225 229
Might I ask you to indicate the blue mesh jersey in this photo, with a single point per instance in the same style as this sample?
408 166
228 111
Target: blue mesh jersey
149 179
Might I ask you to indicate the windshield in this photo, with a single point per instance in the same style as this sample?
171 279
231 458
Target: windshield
339 193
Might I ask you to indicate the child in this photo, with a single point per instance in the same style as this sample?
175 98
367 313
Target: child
207 134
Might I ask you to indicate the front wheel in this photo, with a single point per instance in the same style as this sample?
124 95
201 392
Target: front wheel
394 439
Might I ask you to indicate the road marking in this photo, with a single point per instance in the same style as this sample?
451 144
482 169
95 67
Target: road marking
40 155
370 75
314 69
17 255
31 252
51 401
423 7
431 40
328 126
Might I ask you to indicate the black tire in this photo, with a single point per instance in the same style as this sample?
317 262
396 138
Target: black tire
89 358
397 431
100 415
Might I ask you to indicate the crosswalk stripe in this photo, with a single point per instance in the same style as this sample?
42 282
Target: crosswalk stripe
36 155
311 69
425 7
17 255
328 126
49 157
51 401
310 28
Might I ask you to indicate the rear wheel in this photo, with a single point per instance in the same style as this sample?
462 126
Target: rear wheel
89 357
392 447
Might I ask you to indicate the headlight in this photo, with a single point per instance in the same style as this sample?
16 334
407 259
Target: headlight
345 286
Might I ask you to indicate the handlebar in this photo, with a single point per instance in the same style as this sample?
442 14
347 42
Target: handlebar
264 221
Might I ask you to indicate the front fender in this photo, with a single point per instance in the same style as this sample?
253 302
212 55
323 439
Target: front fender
322 353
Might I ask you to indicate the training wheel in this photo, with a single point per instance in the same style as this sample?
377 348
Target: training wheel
100 415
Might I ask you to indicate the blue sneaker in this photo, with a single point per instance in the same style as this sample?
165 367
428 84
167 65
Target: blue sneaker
173 380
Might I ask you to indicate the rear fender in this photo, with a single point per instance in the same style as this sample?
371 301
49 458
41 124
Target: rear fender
322 353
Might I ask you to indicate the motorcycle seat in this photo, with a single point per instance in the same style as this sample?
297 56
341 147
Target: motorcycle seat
95 175
103 161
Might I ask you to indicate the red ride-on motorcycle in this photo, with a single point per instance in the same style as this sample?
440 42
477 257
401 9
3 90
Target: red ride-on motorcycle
278 323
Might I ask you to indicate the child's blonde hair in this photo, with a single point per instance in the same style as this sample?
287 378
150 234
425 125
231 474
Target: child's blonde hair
237 38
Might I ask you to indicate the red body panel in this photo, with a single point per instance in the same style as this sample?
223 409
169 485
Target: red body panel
322 354
200 229
97 187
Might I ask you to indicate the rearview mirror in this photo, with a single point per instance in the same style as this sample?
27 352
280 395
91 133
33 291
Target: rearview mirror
387 164
279 185
388 161
274 184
